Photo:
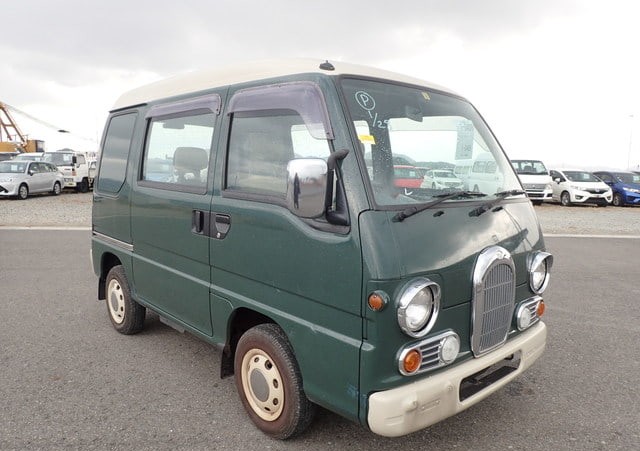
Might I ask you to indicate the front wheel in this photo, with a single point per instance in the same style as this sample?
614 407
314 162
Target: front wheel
126 315
57 189
83 186
565 199
270 384
23 192
617 200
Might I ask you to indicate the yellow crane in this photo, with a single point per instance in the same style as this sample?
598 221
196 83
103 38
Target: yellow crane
11 137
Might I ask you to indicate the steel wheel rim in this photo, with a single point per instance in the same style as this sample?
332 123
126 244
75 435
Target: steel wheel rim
262 385
115 301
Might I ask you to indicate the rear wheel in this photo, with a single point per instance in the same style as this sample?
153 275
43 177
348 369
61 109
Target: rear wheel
270 384
126 315
565 199
23 192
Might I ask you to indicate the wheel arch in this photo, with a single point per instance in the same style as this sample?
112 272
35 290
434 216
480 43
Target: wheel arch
241 320
107 262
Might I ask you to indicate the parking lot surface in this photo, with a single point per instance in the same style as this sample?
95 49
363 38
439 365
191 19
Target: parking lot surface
74 210
69 381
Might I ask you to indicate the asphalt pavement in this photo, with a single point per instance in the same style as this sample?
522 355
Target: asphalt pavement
69 381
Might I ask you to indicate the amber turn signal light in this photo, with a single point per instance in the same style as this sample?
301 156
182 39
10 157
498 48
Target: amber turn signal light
376 301
411 361
540 308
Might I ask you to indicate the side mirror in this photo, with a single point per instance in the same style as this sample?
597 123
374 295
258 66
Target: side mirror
307 187
557 180
74 159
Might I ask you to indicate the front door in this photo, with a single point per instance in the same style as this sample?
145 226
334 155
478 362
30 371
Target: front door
169 206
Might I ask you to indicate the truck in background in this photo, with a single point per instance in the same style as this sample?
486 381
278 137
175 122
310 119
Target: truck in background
75 166
535 179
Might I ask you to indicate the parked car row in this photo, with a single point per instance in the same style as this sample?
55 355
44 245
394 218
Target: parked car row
577 186
42 172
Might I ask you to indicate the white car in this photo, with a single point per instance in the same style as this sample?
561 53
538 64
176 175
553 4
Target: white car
575 186
441 179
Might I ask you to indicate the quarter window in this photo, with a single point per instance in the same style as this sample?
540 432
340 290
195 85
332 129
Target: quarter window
115 153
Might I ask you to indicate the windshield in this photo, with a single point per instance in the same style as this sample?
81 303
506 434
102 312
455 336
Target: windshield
406 132
12 167
581 176
58 158
627 177
530 167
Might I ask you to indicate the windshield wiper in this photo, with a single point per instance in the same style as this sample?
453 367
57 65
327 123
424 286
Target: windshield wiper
489 205
404 214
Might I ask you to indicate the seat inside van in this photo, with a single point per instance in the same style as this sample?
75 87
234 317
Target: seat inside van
188 163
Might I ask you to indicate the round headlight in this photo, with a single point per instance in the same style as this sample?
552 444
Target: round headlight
539 271
418 307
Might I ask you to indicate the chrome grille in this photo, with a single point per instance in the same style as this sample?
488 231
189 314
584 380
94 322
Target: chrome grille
493 300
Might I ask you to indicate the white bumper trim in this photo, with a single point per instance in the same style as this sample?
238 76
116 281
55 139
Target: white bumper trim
414 406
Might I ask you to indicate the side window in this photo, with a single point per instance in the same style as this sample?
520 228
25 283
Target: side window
34 168
260 146
115 153
80 160
177 150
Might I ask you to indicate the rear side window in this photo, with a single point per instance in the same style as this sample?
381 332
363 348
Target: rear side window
177 153
178 144
115 153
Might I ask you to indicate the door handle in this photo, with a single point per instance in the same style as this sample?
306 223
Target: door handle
221 225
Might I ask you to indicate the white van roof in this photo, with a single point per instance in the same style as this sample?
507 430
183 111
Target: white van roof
259 70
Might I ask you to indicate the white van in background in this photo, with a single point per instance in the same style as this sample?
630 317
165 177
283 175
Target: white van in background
535 179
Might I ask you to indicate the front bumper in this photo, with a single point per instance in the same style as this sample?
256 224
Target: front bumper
69 182
585 197
537 194
631 198
8 189
414 406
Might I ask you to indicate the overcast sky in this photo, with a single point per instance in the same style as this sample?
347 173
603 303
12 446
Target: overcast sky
557 80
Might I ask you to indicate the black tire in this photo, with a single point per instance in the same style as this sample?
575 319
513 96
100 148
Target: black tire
57 189
270 384
536 202
565 199
23 192
83 186
126 315
617 200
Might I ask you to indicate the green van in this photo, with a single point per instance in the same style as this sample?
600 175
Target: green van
256 207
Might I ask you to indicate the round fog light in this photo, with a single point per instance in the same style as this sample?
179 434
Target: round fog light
525 318
449 349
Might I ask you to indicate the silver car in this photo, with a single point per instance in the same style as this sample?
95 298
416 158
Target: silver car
21 178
